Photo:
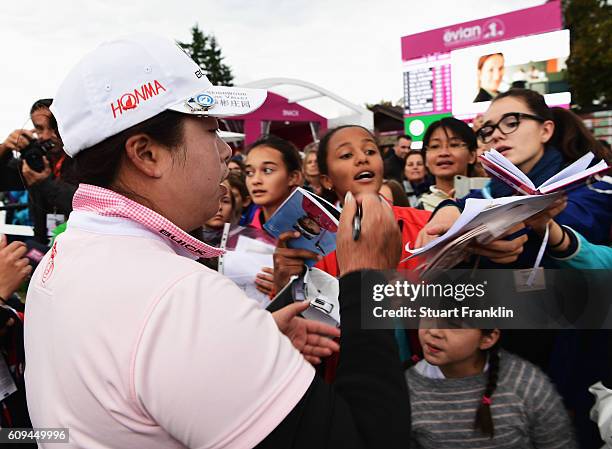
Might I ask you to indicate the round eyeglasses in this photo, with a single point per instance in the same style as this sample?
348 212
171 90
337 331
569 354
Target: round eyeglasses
508 123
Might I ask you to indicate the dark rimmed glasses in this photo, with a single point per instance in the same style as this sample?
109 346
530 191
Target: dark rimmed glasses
507 124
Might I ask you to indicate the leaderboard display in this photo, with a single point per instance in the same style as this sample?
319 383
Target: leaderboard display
427 86
442 68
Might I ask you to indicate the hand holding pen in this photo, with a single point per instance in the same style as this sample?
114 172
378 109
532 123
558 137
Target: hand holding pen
368 236
359 214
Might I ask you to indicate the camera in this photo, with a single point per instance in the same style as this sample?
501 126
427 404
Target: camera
33 155
34 152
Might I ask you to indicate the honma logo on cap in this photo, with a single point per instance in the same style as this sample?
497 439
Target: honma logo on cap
131 100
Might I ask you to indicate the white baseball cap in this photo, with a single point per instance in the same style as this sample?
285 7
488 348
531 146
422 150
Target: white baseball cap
129 80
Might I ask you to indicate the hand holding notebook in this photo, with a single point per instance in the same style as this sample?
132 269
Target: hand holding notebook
314 218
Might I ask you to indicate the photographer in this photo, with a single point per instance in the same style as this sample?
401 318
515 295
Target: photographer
41 169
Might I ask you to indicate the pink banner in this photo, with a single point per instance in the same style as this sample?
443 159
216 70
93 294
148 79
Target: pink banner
536 20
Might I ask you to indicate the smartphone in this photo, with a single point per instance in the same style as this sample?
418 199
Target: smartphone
463 185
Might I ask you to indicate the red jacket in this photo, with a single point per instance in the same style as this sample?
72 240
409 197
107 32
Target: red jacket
256 221
412 221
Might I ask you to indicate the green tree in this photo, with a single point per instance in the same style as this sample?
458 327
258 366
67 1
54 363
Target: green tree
207 54
380 103
588 67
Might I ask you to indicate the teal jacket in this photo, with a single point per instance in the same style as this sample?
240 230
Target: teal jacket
583 254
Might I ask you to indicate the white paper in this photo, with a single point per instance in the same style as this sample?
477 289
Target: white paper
247 285
497 215
474 207
242 267
553 184
7 385
253 245
576 168
496 157
574 172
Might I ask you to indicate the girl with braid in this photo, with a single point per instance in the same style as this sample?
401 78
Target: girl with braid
467 393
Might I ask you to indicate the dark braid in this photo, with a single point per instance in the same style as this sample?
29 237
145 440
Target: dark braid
484 419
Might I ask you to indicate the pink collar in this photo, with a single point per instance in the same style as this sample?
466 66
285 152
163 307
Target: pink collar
111 204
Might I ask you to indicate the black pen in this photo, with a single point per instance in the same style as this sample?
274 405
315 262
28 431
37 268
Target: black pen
357 223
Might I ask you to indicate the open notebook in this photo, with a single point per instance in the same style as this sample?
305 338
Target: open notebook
500 167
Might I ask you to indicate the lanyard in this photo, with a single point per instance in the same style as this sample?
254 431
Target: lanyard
111 204
58 166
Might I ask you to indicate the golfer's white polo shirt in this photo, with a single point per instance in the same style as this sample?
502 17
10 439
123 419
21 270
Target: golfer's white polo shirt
130 345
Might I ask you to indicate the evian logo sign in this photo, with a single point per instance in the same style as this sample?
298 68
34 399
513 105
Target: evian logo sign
131 100
493 29
462 35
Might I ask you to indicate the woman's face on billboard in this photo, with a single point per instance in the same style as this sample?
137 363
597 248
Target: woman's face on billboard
491 73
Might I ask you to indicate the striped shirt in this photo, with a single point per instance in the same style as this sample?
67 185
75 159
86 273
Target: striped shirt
527 410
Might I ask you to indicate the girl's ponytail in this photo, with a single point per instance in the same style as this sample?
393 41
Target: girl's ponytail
572 137
484 418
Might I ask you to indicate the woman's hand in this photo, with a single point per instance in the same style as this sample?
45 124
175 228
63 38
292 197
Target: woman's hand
17 140
540 220
438 225
312 338
500 250
289 261
264 281
379 245
14 267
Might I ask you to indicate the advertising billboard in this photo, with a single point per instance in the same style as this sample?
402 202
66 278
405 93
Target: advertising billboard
440 67
535 62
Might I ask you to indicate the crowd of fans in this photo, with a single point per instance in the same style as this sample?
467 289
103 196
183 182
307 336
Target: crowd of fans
540 141
489 388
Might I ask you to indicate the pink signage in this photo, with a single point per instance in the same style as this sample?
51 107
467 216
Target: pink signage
539 19
278 108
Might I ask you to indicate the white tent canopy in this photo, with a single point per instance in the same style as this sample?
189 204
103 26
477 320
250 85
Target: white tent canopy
336 109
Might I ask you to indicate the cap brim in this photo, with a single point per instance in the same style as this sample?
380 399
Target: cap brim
221 101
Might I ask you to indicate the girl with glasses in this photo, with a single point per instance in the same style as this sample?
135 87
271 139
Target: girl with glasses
541 141
450 149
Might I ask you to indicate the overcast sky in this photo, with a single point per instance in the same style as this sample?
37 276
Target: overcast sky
350 47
